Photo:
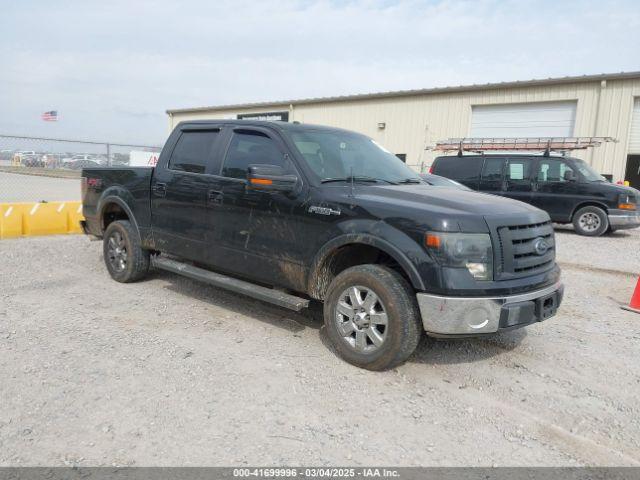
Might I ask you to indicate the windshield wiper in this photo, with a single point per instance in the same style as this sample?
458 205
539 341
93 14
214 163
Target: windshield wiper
356 178
409 180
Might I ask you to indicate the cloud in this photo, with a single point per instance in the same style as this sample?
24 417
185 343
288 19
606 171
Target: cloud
112 68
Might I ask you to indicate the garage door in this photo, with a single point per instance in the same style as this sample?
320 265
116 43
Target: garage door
544 119
634 138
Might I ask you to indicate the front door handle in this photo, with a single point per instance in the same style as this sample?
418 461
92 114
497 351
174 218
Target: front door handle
215 197
159 189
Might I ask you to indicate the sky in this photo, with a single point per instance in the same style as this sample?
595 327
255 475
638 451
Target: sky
112 68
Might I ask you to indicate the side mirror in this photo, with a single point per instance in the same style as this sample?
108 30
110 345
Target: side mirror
569 176
270 178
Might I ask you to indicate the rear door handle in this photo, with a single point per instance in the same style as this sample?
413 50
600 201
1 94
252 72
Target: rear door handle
159 189
215 197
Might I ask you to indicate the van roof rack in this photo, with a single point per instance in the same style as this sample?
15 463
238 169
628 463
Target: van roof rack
546 144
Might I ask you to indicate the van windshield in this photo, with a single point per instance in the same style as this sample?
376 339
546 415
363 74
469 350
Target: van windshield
588 172
342 156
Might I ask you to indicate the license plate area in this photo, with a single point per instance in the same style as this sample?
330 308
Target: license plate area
546 306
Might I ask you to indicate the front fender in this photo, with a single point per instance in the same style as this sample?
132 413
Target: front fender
401 250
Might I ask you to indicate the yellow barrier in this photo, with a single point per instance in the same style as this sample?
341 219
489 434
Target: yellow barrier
28 219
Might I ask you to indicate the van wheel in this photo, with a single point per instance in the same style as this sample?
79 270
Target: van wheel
372 317
590 221
126 260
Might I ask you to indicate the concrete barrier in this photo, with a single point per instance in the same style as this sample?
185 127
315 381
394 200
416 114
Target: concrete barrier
46 218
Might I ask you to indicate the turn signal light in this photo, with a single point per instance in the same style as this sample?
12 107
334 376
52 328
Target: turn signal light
627 206
432 241
261 181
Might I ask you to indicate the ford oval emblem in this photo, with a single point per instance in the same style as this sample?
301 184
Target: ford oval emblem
540 245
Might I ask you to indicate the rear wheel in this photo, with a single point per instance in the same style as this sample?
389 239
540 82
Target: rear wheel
125 259
590 221
372 317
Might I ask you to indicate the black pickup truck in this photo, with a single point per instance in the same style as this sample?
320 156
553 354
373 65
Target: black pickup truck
291 213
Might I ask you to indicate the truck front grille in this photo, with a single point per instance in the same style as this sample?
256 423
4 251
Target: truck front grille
517 254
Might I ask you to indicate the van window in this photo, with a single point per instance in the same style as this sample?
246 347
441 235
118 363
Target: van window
552 170
193 151
518 169
492 169
465 168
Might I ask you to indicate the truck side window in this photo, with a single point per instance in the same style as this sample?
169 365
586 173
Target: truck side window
249 148
492 169
552 170
193 151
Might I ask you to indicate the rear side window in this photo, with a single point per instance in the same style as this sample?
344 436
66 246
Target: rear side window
194 151
492 169
251 148
465 168
518 169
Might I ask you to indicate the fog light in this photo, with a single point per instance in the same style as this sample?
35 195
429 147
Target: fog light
479 270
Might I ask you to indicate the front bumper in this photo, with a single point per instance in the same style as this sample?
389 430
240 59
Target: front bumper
620 219
469 316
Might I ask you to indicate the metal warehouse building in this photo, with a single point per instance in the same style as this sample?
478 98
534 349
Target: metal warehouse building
408 122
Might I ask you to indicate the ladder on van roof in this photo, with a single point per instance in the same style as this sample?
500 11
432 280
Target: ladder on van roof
545 144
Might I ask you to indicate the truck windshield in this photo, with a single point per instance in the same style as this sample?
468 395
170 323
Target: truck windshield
588 172
336 156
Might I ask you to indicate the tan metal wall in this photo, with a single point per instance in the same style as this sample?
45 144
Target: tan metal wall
413 122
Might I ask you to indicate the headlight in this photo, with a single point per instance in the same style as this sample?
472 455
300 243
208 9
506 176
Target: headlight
463 250
626 201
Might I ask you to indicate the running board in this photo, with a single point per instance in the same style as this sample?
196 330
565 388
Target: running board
229 283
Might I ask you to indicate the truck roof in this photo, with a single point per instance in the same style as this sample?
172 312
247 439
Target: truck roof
289 126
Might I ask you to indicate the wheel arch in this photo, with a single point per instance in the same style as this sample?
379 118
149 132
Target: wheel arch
589 203
348 250
114 208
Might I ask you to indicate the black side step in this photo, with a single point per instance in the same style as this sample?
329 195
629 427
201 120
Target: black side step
229 283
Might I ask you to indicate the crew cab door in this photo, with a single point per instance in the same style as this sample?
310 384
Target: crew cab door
555 188
179 192
257 233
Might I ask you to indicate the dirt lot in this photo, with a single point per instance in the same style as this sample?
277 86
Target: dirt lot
172 372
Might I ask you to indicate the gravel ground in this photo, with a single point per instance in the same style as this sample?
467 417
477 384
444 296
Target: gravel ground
171 372
618 251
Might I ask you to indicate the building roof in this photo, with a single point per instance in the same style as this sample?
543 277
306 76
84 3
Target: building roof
407 93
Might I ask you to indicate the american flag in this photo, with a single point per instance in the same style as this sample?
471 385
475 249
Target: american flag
51 116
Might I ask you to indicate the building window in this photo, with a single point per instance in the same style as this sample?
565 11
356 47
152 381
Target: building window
402 156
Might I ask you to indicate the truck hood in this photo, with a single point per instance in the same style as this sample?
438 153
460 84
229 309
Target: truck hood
448 209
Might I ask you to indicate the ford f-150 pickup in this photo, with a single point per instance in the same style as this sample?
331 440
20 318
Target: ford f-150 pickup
291 213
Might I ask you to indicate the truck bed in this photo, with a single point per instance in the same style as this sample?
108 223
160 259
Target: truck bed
129 187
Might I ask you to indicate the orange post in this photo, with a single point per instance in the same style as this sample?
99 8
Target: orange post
634 304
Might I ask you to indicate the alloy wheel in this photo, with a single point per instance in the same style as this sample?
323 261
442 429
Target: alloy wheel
361 319
117 252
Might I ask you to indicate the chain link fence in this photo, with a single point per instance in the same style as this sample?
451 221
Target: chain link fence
37 169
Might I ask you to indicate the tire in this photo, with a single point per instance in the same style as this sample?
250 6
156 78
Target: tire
590 221
125 259
384 346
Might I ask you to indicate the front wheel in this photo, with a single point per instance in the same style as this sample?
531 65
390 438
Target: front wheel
372 317
590 221
124 257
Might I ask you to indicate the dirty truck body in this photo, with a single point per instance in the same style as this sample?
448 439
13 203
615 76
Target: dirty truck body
290 213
